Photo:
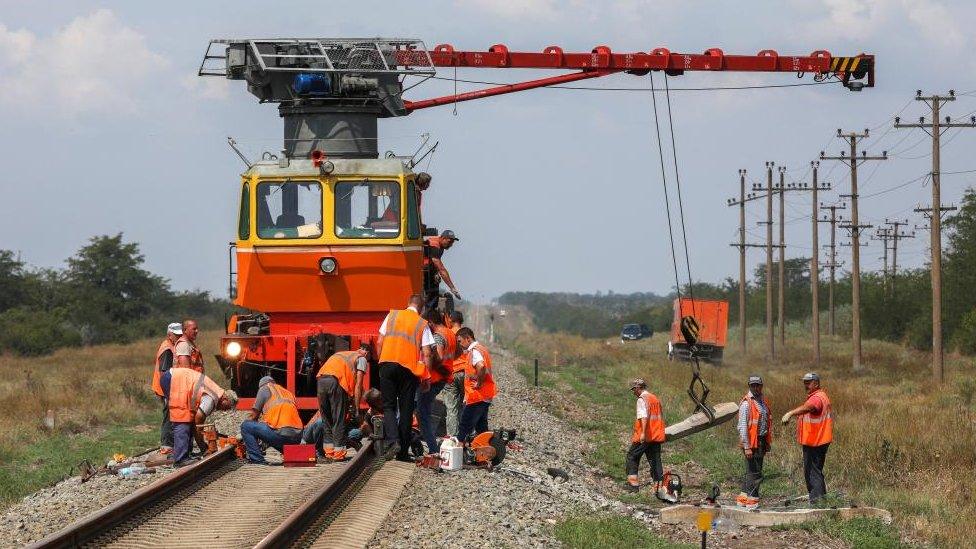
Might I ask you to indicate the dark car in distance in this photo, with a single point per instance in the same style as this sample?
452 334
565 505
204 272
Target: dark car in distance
633 332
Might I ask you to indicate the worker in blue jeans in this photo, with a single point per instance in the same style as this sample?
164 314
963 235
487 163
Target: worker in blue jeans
479 385
279 423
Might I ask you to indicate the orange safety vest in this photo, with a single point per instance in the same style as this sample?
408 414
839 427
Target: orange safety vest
196 358
342 365
433 242
487 390
816 430
166 345
450 353
186 388
655 420
753 423
403 340
280 410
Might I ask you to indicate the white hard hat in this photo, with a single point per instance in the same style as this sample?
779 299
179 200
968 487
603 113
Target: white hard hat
175 328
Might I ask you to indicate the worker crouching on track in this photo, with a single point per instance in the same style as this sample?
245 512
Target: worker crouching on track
479 385
164 361
405 344
279 422
339 380
356 427
814 432
186 390
445 343
647 437
756 436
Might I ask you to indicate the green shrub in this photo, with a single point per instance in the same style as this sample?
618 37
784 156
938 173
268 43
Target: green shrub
32 333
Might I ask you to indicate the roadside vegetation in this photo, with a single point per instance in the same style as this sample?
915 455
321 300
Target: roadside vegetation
599 532
101 403
901 443
103 295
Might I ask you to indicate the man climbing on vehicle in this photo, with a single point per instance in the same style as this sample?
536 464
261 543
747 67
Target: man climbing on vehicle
434 269
647 437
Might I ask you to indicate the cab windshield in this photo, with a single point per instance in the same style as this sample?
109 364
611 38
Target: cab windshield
289 209
367 209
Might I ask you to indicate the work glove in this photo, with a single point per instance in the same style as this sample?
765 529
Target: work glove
786 418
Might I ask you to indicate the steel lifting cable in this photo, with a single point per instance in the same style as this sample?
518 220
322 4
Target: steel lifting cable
681 207
667 200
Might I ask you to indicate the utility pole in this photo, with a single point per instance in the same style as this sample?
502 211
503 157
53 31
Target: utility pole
883 234
770 343
935 129
742 256
780 290
833 219
896 235
855 227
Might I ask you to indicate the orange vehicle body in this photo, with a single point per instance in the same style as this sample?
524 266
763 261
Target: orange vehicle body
712 316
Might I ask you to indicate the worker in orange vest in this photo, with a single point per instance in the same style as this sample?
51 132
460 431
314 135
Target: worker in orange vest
273 419
434 269
164 361
479 385
453 393
647 436
186 354
339 380
405 344
814 432
186 390
756 436
445 345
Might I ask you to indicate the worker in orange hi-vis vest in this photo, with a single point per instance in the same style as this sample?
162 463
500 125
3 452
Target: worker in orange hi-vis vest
191 396
441 372
756 437
647 436
339 389
274 420
479 385
185 353
164 361
814 432
453 393
405 350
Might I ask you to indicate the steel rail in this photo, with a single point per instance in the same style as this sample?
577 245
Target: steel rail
93 525
294 526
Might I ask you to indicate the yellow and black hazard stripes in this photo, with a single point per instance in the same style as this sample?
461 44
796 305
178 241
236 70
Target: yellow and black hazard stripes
845 64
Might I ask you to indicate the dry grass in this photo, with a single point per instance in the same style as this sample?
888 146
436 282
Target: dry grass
901 442
101 400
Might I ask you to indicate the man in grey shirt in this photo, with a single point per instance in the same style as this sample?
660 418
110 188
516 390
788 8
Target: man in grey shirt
755 436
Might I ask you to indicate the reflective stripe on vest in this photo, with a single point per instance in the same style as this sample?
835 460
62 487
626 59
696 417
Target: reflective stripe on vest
185 392
280 410
196 358
342 366
166 345
655 420
752 424
816 430
403 340
487 390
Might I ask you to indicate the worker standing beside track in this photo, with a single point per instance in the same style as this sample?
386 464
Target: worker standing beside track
164 361
453 393
479 385
405 358
340 379
279 422
434 269
441 370
756 436
814 432
186 354
647 437
185 389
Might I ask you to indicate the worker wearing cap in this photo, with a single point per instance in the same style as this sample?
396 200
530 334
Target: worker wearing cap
647 436
185 353
814 432
340 383
755 436
186 390
405 351
434 269
164 361
273 419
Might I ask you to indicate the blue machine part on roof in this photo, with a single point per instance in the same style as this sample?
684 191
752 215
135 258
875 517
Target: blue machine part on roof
312 84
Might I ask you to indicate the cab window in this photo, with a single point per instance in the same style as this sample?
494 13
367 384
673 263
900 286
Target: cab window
289 209
244 221
413 212
367 209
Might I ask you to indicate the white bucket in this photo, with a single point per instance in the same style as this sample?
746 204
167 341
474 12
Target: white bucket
452 454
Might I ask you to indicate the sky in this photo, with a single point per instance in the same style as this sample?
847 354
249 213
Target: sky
106 128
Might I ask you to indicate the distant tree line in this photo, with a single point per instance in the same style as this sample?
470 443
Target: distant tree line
899 309
103 295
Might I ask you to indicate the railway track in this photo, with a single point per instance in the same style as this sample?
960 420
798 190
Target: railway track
221 502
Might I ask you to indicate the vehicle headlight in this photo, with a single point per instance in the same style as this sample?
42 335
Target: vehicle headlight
233 349
328 265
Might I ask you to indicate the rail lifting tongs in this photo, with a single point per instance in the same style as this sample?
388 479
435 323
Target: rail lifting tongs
705 416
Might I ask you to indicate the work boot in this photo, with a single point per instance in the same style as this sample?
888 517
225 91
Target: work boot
632 488
338 455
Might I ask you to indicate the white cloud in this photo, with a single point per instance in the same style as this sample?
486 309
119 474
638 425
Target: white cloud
209 87
514 9
935 21
93 64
